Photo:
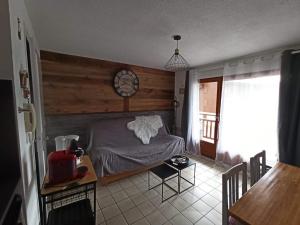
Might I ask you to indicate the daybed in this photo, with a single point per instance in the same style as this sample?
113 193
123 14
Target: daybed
114 148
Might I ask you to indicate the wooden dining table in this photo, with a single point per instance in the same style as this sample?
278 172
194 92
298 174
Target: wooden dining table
273 200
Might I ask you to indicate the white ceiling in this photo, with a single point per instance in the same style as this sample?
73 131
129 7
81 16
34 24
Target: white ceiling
139 31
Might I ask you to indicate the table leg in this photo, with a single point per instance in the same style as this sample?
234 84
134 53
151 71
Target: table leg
95 211
162 190
44 211
194 174
148 180
86 191
51 197
179 176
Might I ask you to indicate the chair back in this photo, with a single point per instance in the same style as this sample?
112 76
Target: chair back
231 188
258 167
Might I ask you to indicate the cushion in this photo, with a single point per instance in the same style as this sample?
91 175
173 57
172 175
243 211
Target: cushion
145 127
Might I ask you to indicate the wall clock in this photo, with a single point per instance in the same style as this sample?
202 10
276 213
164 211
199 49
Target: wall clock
126 83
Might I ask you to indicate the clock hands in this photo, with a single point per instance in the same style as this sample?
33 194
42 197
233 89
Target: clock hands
125 82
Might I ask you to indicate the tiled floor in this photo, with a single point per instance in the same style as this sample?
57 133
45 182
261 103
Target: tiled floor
129 202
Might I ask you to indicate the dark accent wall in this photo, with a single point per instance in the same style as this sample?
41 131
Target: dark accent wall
79 124
9 150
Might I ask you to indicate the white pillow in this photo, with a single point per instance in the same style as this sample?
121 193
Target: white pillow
145 127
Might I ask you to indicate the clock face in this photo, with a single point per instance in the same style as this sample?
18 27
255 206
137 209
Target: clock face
126 83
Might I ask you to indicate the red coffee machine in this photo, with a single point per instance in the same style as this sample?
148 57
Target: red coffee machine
62 166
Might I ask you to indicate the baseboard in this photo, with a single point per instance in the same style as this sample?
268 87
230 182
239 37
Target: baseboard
113 178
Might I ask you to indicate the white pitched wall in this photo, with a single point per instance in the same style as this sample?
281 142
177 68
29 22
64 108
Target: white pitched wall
17 59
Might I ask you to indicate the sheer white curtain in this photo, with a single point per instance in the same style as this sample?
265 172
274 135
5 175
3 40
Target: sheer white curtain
248 120
191 107
193 123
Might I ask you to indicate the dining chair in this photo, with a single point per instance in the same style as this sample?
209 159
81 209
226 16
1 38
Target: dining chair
258 167
231 189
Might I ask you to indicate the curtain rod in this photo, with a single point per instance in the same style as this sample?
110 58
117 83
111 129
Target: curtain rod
296 51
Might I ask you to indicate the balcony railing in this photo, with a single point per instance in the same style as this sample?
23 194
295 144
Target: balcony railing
208 125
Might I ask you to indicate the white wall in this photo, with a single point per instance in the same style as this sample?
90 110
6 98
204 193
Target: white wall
17 9
5 46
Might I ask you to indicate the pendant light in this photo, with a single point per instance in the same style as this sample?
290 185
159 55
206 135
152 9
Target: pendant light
177 62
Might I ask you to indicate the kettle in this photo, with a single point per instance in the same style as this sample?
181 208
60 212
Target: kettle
63 142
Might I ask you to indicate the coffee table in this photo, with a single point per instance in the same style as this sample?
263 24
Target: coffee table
165 173
181 167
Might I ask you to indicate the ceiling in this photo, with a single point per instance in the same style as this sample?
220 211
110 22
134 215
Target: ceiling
139 31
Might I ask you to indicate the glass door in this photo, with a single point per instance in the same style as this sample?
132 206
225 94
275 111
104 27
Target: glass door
210 102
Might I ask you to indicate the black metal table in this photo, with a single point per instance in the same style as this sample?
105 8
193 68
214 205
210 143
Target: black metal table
165 173
179 168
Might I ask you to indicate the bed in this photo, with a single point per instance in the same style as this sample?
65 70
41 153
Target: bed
114 149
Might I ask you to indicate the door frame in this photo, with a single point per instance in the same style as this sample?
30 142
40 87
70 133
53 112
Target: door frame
33 65
206 148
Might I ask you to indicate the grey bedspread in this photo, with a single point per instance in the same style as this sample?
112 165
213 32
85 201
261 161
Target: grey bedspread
114 149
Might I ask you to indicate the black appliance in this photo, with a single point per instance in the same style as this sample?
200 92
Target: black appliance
10 203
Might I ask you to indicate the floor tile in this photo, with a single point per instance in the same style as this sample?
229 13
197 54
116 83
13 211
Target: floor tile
111 211
114 187
206 187
156 201
106 201
138 199
125 183
151 194
219 188
119 196
216 194
210 200
99 217
168 210
133 215
218 208
185 185
97 204
118 220
143 186
213 183
142 222
192 214
204 221
168 223
189 197
180 220
202 207
133 190
102 193
215 217
180 204
198 192
146 208
156 218
125 205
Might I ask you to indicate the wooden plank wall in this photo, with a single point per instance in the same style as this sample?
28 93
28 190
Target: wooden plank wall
75 85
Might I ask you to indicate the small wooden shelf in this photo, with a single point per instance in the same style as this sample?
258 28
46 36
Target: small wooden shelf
89 178
77 212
